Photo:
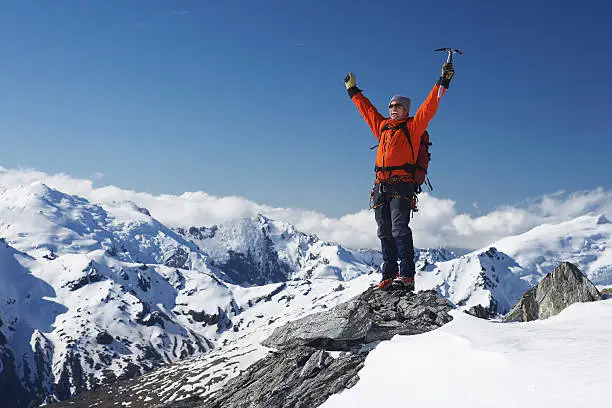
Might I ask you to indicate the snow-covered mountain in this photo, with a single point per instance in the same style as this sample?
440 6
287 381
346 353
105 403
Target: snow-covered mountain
496 276
90 293
260 251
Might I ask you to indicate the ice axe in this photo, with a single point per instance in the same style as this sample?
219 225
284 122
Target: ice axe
448 60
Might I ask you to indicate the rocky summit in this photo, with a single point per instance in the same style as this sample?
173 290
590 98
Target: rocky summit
373 316
304 372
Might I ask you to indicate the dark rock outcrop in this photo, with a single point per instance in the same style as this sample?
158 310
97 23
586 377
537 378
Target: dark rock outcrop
90 275
560 288
178 258
12 391
104 338
481 311
300 377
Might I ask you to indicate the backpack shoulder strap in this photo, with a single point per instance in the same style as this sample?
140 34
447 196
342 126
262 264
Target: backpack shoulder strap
404 127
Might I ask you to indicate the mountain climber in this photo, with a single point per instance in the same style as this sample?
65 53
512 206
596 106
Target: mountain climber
393 194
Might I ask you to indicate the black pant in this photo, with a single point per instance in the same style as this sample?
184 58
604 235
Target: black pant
392 204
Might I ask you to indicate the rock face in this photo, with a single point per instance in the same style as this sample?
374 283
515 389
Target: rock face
300 377
12 392
563 286
302 373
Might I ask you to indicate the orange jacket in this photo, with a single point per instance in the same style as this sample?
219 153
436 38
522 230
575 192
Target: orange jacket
393 146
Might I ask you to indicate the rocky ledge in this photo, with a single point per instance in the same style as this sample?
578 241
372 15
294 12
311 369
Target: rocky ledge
321 354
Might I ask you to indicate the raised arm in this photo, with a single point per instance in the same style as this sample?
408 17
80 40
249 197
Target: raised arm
423 116
372 117
428 108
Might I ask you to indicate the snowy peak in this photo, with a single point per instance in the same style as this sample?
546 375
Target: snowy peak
584 241
257 251
35 211
480 278
425 259
46 223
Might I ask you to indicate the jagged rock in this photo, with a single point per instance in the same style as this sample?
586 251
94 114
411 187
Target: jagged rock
143 211
372 316
300 377
50 256
221 319
146 317
90 275
560 288
198 233
480 312
144 281
104 338
178 259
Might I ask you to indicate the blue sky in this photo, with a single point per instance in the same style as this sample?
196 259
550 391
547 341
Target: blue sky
246 97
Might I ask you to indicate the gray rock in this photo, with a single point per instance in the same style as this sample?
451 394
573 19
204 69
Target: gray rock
480 312
178 258
343 324
299 377
560 288
372 316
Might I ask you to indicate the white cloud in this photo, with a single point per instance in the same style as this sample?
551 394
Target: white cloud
436 224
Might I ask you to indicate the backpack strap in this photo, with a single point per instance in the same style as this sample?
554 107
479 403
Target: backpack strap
404 127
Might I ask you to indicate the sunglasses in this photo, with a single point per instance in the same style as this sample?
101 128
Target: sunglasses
396 105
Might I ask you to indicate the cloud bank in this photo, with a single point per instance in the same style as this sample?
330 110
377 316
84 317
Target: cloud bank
437 224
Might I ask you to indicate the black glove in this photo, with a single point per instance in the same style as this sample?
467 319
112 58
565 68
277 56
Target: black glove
351 86
447 74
